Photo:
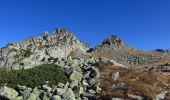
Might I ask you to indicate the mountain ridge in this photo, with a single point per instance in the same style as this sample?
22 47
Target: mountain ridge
110 71
63 43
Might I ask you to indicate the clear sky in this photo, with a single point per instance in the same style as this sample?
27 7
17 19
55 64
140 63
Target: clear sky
144 24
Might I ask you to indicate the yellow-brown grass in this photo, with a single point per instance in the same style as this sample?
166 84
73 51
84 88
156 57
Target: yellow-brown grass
137 82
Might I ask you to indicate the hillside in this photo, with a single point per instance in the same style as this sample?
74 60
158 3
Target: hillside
110 71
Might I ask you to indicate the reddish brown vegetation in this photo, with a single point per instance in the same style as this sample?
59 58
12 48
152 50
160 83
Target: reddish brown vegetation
137 82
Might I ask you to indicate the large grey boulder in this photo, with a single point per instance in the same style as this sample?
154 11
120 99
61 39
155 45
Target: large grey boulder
56 97
76 76
161 96
60 91
35 94
105 61
69 95
8 93
47 88
26 94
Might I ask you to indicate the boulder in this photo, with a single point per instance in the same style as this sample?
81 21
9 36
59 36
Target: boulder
26 94
118 85
56 97
47 88
115 75
88 95
60 85
161 96
35 94
105 61
117 98
135 97
60 91
8 93
76 76
91 91
76 91
98 89
21 88
69 95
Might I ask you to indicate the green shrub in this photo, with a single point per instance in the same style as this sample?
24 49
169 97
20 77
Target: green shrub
33 77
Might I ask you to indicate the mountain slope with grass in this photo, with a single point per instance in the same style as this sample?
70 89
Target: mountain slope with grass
61 67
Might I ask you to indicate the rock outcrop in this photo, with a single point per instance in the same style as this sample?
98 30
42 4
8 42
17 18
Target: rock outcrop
39 50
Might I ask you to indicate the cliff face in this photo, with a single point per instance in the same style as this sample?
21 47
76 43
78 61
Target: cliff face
39 50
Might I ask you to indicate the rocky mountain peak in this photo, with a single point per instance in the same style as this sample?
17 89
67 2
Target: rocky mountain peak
110 43
38 50
64 34
113 40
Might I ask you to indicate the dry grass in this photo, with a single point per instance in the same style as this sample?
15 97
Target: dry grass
136 51
137 82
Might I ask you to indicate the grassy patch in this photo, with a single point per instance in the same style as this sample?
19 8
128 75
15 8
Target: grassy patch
137 81
33 77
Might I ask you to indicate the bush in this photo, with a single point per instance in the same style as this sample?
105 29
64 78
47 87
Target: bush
33 77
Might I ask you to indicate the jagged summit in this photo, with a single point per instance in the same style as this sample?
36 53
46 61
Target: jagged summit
64 33
37 50
113 40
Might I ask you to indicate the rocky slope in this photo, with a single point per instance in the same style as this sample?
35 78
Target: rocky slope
110 71
39 50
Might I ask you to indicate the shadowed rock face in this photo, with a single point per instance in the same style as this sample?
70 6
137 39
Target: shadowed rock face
39 50
111 42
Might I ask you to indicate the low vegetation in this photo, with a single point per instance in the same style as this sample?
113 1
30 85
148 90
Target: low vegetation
33 77
138 82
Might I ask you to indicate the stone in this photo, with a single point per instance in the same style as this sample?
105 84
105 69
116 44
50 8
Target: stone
117 98
56 97
115 75
8 93
88 95
66 85
34 95
18 98
76 91
47 88
161 96
60 91
85 84
69 95
112 62
118 85
78 54
60 85
68 70
98 89
135 97
26 94
19 87
73 84
76 76
91 91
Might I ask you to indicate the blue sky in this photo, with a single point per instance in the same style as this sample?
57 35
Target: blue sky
144 24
